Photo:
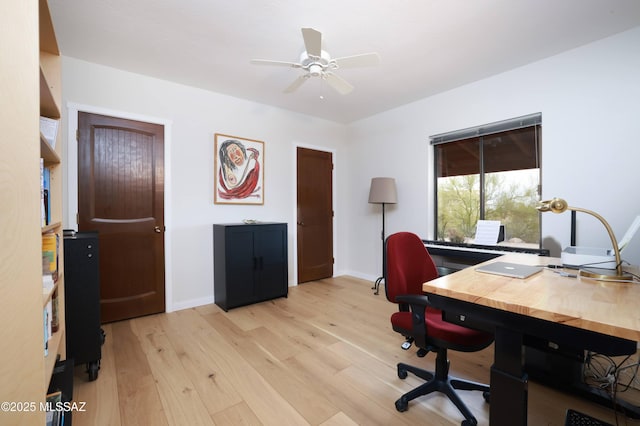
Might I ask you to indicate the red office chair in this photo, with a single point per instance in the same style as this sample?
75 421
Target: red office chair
408 265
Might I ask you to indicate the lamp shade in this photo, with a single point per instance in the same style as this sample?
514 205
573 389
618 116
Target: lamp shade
383 191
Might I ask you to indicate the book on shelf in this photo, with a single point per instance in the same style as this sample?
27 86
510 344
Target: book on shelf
49 319
54 415
48 288
45 328
43 214
50 245
47 208
55 314
49 129
46 182
47 282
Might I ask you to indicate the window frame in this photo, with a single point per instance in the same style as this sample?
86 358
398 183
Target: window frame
478 133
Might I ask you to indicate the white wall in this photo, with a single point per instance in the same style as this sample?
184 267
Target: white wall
194 116
589 99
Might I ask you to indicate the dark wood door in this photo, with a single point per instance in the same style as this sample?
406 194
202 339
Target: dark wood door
315 214
121 195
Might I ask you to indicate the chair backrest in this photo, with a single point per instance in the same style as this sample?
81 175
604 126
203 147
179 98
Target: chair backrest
408 265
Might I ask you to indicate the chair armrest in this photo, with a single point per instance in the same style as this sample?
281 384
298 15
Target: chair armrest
417 304
414 299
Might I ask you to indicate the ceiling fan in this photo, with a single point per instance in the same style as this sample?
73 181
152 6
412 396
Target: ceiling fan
318 63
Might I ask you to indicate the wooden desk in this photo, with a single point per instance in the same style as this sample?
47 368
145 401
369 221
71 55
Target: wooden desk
583 313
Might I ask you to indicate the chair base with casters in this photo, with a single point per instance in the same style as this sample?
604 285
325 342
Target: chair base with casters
442 382
462 339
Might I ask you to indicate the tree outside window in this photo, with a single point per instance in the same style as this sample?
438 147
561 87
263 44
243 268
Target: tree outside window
490 177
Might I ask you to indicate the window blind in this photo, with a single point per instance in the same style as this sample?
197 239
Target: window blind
488 129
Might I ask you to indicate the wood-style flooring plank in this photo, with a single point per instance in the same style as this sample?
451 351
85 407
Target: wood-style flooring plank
325 355
138 395
312 406
239 414
186 329
181 401
340 419
224 340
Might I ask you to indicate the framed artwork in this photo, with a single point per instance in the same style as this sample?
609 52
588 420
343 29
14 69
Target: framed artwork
238 170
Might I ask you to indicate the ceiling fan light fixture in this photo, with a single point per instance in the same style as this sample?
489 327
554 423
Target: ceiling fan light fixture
318 63
307 60
315 70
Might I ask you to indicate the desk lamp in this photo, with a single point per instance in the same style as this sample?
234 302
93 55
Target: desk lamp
558 205
382 191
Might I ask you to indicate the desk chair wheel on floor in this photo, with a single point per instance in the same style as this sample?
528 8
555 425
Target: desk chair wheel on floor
408 266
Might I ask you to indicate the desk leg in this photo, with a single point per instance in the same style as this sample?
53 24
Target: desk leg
509 382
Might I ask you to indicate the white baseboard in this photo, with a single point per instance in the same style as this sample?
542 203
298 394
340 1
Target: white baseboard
360 275
187 304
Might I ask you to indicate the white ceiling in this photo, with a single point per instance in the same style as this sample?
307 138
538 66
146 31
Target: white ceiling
425 46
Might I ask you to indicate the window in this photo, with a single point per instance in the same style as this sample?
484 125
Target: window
490 172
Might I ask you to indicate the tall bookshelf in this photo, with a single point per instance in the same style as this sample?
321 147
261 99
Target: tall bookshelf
51 107
30 83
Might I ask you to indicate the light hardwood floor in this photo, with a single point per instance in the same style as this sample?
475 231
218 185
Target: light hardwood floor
326 355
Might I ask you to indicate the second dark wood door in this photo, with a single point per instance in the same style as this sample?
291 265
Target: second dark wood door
315 214
121 195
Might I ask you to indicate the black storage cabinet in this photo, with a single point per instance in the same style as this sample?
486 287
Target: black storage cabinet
84 335
250 263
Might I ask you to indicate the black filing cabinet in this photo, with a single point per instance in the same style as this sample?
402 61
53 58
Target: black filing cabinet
250 263
82 300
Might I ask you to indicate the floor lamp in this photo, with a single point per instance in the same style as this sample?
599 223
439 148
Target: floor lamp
382 191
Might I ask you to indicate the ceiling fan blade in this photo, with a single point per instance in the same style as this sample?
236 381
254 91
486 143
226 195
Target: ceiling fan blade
296 83
312 41
338 83
278 63
362 60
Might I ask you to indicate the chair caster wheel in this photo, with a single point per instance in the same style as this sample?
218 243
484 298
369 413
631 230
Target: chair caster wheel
402 404
92 369
487 396
402 373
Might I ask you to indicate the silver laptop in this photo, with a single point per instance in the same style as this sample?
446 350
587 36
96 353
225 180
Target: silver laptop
513 270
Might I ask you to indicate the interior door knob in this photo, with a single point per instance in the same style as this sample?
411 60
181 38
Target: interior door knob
157 229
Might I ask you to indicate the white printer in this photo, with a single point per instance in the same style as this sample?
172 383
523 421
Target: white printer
576 257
